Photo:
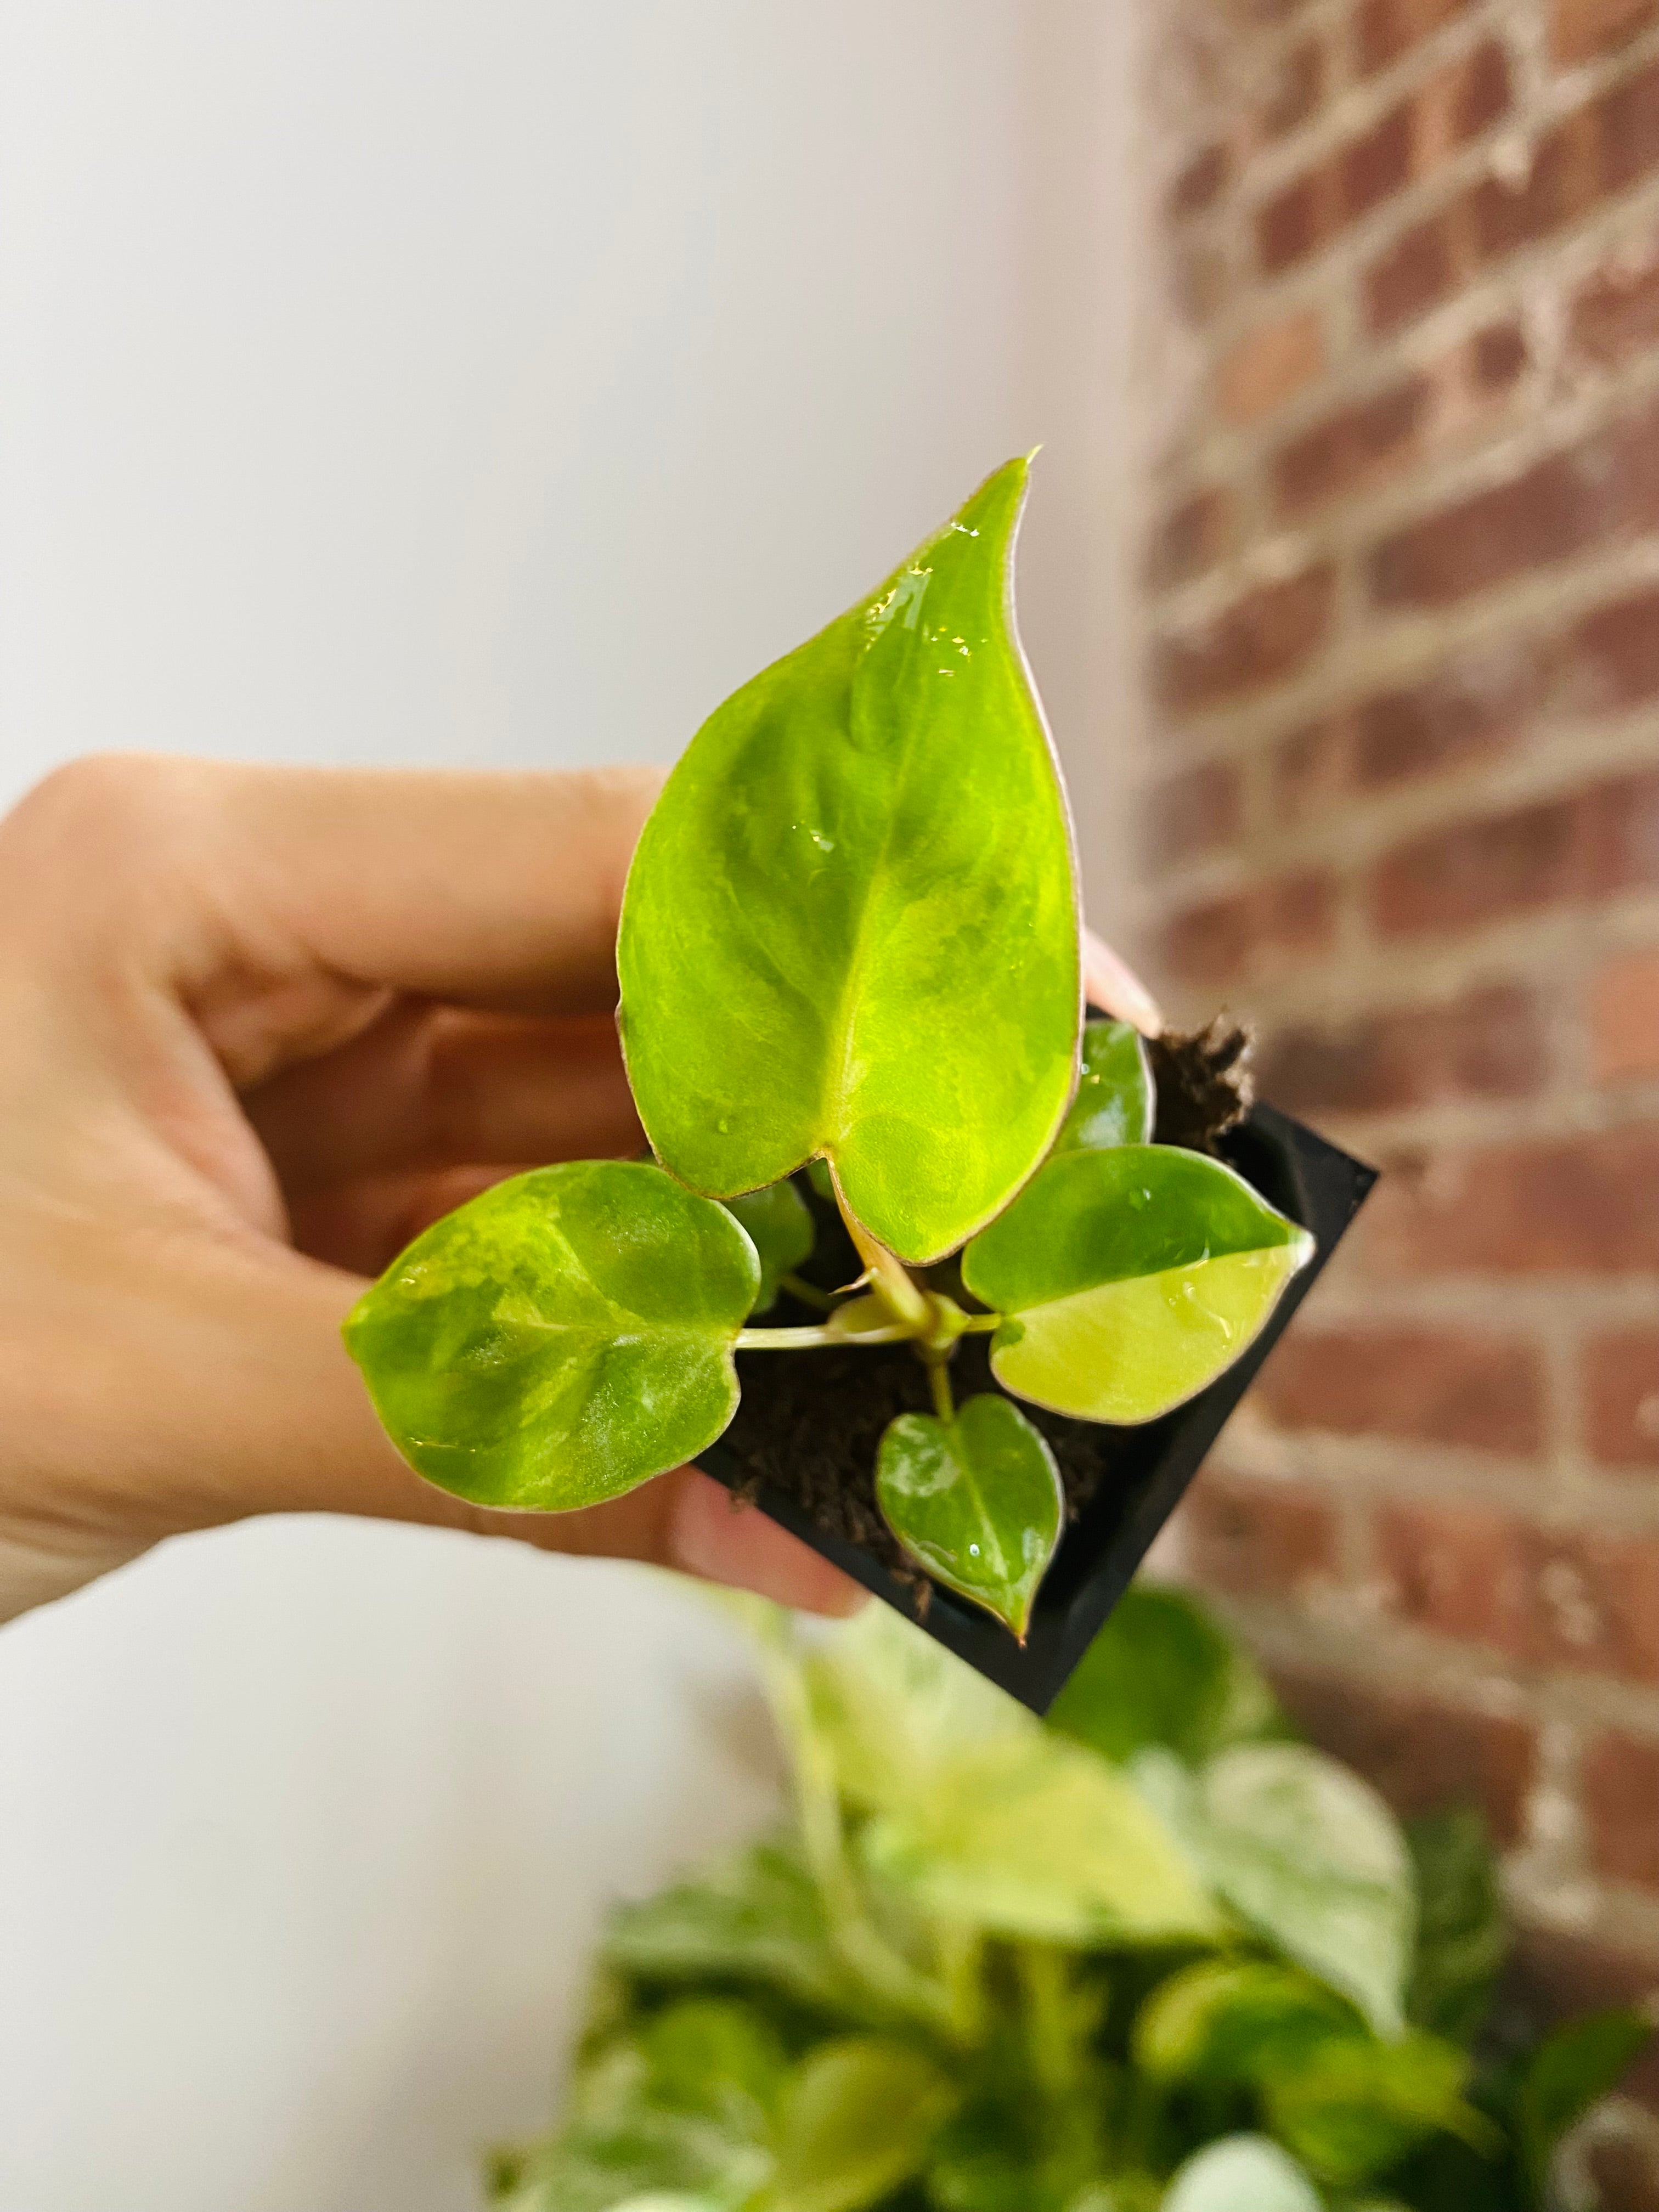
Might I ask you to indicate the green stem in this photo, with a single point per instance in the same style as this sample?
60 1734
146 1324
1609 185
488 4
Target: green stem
943 1404
1048 2035
803 1339
808 1293
981 1324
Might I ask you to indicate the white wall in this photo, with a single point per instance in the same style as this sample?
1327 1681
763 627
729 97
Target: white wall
498 383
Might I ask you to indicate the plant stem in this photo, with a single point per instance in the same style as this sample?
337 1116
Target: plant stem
981 1324
1048 2031
808 1293
803 1339
890 1279
939 1380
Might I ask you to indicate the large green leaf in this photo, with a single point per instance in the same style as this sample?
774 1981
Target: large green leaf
563 1337
1353 2108
1581 2062
779 1222
850 927
1115 1100
1129 1279
1241 2173
1235 2021
1162 1671
977 1500
1462 1939
895 1706
1034 1837
1309 1855
859 2120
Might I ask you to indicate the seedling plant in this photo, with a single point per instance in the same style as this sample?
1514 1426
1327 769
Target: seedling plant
849 949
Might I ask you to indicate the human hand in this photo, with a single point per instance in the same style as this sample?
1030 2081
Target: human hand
261 1026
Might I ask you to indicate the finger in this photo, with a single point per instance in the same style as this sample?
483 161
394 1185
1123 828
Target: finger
1111 984
431 1087
362 1225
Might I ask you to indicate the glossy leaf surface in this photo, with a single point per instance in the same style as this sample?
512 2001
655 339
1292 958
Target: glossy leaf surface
1162 1672
1130 1280
1241 2173
1034 1837
859 2120
1116 1103
976 1500
850 927
565 1336
779 1223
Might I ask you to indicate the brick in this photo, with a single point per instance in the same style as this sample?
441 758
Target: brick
1295 90
1497 356
1431 1386
1621 1382
1615 314
1196 811
1351 447
1201 183
1260 639
1601 148
1378 162
1583 1205
1582 29
1420 1753
1272 925
1619 1786
1567 1598
1415 273
1610 659
1297 220
1246 1536
1604 488
1193 536
1386 29
1579 846
1470 708
1274 362
1491 1043
1625 1019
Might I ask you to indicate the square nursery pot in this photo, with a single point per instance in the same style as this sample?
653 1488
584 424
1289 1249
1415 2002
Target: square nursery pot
803 1445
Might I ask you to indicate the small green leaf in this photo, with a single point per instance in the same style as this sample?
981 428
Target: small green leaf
718 2056
1579 2064
850 927
1310 1856
1235 2021
1130 1280
1353 2107
1031 1836
1161 1671
859 2120
780 1225
1461 1937
895 1706
1115 1102
1241 2173
562 1338
976 1500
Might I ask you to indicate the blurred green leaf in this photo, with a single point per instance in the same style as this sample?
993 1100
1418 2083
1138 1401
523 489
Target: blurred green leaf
1034 1837
976 1500
754 1917
854 900
1461 1940
779 1222
1309 1855
562 1337
1161 1671
1128 1279
860 2118
1352 2107
1579 2064
717 2056
1241 2173
1235 2021
1114 1102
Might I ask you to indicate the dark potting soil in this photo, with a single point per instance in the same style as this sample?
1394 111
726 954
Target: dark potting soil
810 1422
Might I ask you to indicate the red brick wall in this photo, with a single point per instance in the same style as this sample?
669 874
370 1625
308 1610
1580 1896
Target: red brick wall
1403 810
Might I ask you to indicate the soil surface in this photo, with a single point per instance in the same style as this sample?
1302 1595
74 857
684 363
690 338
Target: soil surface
810 1421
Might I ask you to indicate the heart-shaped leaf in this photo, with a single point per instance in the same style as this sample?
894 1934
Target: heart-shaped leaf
1115 1102
1128 1279
780 1225
850 927
858 2120
563 1337
1241 2173
976 1500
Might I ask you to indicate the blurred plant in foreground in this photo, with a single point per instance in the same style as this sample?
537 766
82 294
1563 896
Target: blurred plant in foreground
1152 1956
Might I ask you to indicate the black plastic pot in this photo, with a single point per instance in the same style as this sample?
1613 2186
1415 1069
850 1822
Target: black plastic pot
1129 1480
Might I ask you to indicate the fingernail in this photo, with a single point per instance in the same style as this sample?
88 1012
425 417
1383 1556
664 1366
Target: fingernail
1113 985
